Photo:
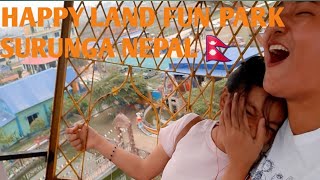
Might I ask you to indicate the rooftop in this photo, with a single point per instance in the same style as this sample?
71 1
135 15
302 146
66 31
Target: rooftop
34 89
205 68
5 118
38 60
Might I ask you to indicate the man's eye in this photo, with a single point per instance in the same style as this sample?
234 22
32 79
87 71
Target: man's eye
304 13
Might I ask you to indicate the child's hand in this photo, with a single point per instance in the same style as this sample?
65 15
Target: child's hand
77 136
242 149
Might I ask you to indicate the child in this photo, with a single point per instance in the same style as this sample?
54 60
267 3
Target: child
199 153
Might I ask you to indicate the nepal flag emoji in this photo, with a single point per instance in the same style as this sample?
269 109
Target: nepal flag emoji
212 53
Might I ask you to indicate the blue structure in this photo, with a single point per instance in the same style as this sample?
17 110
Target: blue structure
4 68
26 99
183 66
156 95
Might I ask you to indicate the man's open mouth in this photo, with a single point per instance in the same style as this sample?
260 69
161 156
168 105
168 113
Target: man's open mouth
278 53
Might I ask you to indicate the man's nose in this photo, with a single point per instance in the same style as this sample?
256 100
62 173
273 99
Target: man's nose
276 30
272 32
285 17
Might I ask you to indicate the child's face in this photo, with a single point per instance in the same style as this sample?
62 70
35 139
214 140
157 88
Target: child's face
255 108
301 38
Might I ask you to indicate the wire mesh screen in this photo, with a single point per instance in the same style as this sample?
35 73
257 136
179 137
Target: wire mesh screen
153 88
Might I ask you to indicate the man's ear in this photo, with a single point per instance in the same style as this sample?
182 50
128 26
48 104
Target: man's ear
223 97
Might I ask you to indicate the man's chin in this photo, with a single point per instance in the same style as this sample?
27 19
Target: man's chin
272 87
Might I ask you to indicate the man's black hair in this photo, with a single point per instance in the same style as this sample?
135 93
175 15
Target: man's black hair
250 73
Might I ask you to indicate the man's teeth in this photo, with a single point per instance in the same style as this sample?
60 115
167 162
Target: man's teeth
278 47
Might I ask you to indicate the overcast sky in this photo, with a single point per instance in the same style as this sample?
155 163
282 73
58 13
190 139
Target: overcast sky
34 5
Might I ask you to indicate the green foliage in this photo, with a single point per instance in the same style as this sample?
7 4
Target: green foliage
68 103
125 96
37 125
6 139
202 103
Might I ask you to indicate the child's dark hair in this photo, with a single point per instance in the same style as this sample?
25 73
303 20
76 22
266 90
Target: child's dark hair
247 75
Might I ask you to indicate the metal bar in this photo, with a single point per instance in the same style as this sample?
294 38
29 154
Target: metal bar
22 155
58 99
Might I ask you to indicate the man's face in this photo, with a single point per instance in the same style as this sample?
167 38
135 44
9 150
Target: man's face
292 53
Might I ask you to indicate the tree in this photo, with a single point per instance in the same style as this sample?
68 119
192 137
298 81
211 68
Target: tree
68 103
125 96
6 139
37 125
201 104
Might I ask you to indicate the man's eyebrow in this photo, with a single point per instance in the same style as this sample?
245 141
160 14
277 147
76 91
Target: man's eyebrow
280 4
313 2
306 1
